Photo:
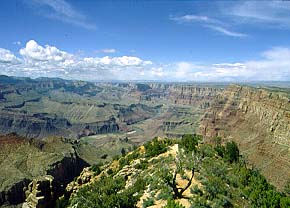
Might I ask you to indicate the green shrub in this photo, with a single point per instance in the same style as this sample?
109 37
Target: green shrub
220 150
189 142
164 195
232 152
96 168
123 162
155 147
108 192
172 204
195 190
199 202
215 186
148 202
206 150
142 165
110 171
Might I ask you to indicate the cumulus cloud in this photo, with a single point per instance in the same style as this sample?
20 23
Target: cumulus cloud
7 56
33 51
274 65
37 61
117 61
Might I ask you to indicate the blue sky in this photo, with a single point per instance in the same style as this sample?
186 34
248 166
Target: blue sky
146 40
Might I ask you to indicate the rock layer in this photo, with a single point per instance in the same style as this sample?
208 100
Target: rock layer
41 126
259 121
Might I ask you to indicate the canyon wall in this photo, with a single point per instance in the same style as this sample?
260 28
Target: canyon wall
41 126
182 94
43 107
259 121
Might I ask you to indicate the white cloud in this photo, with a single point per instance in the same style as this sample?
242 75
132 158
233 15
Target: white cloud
183 69
116 61
62 11
189 18
208 22
159 72
274 14
33 51
275 65
7 56
226 31
17 43
109 50
36 61
278 53
267 13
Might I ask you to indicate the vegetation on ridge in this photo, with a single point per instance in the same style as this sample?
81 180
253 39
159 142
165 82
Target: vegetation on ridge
179 173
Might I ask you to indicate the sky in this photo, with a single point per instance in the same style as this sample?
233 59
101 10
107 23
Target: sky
146 40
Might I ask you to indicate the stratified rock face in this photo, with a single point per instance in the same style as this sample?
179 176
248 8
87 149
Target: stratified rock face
41 126
99 127
259 121
36 126
184 94
135 113
193 95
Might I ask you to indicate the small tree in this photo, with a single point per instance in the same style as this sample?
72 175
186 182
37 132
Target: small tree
232 152
189 142
123 152
170 178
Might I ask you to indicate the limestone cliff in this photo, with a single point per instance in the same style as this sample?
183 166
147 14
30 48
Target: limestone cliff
184 94
259 121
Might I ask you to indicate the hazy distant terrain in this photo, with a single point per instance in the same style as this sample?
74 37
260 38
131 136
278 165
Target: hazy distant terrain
44 107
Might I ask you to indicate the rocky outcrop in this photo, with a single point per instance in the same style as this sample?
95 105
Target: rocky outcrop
36 172
15 194
259 121
43 191
40 193
87 176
